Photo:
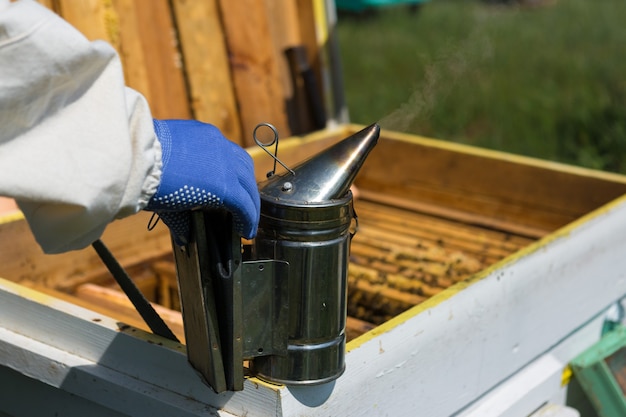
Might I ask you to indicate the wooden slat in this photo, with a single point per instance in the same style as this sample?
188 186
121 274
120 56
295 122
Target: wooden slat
308 35
117 301
167 93
230 73
253 65
285 32
143 33
22 260
464 213
108 310
50 4
206 65
131 49
436 224
440 231
96 19
485 185
356 327
309 40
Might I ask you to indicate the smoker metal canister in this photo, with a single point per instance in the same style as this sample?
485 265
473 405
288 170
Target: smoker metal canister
305 220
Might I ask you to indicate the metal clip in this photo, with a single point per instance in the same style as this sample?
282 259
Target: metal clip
233 309
264 146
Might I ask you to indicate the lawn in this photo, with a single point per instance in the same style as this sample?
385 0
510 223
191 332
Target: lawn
544 81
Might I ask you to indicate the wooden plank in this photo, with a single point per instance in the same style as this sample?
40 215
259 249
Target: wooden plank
524 191
96 19
116 301
439 231
167 94
356 327
131 49
285 33
255 71
146 38
110 310
397 237
293 60
206 65
142 31
21 259
309 32
496 212
50 4
323 39
418 223
308 35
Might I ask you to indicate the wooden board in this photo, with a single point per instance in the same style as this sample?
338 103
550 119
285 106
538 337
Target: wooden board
494 186
22 259
144 36
203 47
254 66
221 62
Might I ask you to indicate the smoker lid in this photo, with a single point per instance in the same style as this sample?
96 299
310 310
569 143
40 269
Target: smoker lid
325 176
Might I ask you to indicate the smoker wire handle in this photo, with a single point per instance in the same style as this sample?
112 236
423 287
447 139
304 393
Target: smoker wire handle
142 305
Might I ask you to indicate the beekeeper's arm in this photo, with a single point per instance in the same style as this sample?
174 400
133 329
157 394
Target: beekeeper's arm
78 149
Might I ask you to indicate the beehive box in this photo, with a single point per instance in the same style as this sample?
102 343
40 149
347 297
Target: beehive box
475 276
471 271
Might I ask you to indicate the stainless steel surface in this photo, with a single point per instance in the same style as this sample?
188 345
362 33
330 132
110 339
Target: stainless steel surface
317 252
210 281
327 175
305 221
265 297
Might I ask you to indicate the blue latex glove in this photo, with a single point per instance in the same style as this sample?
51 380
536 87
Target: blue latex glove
203 169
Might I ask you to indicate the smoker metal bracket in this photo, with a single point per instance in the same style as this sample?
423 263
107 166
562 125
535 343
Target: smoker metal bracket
232 310
266 308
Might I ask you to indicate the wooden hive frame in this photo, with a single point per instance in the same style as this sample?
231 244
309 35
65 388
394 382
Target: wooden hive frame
219 61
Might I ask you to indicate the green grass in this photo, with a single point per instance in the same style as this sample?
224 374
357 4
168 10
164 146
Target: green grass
548 82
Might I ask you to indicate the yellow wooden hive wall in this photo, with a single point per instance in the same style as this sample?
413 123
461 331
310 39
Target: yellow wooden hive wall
219 61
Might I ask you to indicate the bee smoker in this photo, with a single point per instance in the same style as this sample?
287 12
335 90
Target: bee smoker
279 303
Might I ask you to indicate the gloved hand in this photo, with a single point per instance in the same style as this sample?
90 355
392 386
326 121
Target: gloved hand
203 169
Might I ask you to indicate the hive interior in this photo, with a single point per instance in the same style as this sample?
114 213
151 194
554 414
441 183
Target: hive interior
426 221
399 258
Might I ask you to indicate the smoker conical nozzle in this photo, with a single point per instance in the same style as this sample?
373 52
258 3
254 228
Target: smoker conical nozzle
325 176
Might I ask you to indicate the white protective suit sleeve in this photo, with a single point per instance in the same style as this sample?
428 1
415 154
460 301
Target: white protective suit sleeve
77 148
